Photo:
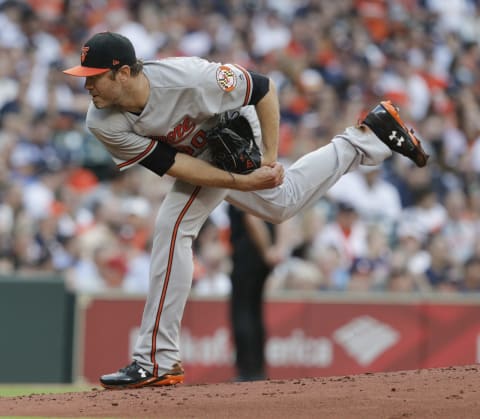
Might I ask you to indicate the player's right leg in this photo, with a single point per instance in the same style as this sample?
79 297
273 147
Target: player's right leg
156 356
309 178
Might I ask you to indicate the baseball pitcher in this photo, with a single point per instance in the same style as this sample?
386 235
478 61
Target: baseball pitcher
214 127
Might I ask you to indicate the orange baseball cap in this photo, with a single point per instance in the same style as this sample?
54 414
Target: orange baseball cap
102 52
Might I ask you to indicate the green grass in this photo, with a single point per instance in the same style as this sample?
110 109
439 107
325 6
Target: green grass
10 390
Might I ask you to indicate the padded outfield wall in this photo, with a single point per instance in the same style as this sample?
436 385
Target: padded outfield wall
36 330
48 335
336 334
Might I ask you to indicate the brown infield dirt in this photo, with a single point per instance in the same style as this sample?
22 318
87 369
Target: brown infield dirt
452 392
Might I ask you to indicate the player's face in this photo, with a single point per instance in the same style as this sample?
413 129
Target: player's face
105 91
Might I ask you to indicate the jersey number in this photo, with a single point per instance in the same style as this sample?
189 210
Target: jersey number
199 140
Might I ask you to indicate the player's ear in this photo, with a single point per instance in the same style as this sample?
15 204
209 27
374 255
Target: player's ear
123 73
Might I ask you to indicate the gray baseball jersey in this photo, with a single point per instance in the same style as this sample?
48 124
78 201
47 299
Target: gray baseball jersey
186 97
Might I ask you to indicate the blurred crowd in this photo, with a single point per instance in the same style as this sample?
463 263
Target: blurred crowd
65 208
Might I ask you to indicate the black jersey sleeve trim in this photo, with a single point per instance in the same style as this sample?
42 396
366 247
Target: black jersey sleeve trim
160 159
260 87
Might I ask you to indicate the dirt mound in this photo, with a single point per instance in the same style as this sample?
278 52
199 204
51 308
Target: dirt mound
429 393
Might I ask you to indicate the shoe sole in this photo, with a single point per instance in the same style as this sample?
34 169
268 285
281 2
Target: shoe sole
392 110
169 380
166 380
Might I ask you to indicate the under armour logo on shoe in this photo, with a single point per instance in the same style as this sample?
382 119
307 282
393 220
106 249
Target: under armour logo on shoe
393 137
142 373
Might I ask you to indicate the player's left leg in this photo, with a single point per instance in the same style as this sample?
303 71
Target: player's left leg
310 177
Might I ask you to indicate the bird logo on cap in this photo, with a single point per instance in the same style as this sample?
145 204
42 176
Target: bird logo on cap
83 55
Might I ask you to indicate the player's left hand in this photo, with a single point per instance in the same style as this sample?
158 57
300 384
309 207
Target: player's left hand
265 177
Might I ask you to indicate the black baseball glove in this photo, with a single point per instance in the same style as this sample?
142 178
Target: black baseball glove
232 145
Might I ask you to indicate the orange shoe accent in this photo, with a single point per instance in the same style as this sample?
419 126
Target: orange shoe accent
392 110
168 380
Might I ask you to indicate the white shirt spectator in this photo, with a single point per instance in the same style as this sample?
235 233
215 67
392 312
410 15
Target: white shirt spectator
374 198
426 219
269 34
347 233
137 277
216 285
451 13
475 156
38 199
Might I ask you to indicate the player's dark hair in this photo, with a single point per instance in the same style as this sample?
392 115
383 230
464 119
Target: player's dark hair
136 68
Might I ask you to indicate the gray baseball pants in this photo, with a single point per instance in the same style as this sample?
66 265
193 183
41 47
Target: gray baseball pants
185 209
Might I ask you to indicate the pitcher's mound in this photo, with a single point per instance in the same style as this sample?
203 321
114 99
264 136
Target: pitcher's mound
452 392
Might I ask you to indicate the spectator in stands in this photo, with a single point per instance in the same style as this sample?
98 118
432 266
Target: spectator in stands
376 199
428 213
104 271
335 274
459 228
442 273
402 281
346 232
471 275
409 248
211 264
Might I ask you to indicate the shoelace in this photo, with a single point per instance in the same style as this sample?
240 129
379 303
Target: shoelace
132 366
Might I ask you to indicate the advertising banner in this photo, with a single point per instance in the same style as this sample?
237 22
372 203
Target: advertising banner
304 338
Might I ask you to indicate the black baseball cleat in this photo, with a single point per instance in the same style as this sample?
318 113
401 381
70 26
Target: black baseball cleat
134 376
387 125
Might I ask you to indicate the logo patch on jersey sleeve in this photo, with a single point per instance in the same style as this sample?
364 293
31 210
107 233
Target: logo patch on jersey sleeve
226 78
